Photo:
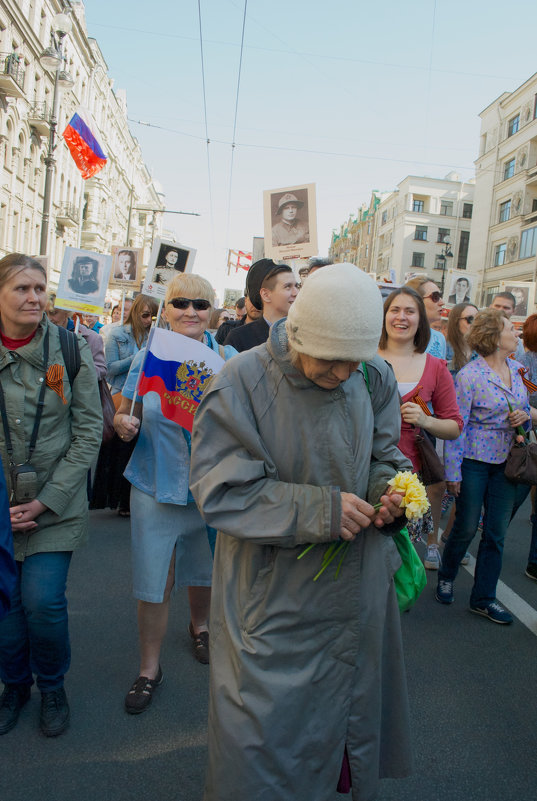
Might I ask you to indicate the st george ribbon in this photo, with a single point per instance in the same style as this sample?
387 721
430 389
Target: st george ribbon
177 368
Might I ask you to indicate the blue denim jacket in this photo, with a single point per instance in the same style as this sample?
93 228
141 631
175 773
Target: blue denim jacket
120 349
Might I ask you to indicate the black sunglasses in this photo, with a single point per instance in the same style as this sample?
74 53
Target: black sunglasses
470 319
199 304
435 296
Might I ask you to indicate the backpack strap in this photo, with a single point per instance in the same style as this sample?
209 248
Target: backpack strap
70 353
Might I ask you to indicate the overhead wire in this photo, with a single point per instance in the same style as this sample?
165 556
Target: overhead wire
207 140
233 143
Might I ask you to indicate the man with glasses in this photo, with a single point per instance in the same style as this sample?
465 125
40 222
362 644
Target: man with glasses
271 288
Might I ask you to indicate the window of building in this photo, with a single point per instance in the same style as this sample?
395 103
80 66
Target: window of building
369 227
513 125
505 211
508 169
499 254
446 208
467 210
417 205
421 232
442 233
367 251
528 243
418 260
384 217
534 204
462 258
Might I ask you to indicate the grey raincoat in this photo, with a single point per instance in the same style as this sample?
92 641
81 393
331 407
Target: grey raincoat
299 669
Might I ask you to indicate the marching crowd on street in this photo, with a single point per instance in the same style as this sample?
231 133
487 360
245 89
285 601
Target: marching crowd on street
326 393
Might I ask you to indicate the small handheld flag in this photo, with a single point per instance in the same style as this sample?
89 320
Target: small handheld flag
83 145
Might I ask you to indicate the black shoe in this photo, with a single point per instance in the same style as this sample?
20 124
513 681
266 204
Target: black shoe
531 571
54 712
200 645
140 694
11 702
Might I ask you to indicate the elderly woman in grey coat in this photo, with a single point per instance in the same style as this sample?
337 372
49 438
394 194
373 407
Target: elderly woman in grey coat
289 448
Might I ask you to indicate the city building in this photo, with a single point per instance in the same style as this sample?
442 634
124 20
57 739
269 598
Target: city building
424 226
354 241
504 231
121 204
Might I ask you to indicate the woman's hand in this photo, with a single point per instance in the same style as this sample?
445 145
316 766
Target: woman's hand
126 426
518 417
390 509
356 514
454 488
413 414
23 516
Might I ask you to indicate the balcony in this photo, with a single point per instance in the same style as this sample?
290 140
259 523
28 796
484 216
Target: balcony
39 118
11 75
67 215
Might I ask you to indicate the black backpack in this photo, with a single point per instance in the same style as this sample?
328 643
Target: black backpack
70 353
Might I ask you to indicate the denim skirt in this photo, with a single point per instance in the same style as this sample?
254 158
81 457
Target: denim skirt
158 528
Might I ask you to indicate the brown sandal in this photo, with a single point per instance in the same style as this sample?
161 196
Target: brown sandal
140 694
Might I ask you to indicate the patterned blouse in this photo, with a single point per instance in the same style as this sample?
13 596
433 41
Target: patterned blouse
482 398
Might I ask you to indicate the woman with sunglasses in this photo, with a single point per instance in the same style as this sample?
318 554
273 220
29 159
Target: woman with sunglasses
458 351
434 303
424 382
170 545
121 344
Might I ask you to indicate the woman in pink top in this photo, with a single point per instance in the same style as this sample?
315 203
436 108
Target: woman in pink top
423 380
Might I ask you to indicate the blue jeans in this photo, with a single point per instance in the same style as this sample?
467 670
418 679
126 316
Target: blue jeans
485 485
34 637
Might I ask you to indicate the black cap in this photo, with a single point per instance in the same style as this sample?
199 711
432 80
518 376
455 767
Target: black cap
259 272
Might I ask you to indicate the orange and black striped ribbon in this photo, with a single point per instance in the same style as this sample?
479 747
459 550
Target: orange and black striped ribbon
55 380
421 403
530 386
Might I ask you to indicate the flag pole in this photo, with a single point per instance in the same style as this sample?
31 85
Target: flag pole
154 325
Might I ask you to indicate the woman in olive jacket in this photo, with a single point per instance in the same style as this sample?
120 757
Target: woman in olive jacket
49 509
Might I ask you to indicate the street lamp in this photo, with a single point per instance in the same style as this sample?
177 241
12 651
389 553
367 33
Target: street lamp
52 59
445 255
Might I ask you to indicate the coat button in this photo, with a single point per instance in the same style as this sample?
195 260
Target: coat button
41 380
17 421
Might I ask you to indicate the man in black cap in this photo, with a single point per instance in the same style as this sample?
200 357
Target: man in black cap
271 288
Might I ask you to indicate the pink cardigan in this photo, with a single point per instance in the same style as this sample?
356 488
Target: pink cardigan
437 389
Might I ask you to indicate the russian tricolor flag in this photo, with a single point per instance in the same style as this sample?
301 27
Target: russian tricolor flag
178 369
83 145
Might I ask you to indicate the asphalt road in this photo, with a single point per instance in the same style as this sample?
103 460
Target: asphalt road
472 685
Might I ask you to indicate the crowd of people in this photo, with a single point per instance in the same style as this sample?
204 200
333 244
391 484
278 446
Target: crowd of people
325 393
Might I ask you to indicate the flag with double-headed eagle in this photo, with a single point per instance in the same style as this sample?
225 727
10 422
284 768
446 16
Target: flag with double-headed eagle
178 369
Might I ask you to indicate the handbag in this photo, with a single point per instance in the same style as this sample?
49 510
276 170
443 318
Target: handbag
109 410
521 464
432 469
411 578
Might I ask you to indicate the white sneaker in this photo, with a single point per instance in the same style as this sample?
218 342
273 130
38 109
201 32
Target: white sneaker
432 558
465 559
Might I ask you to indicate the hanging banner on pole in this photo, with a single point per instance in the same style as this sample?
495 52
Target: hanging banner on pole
83 281
167 259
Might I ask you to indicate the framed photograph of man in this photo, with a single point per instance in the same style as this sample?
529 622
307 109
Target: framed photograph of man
167 259
460 287
126 270
290 222
524 295
83 281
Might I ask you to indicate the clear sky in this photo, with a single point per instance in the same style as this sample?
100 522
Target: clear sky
349 95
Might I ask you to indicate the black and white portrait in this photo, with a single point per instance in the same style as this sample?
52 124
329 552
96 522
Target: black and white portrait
460 291
520 294
167 259
84 278
290 222
125 265
171 260
126 268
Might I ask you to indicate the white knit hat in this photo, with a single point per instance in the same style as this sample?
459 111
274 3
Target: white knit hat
337 315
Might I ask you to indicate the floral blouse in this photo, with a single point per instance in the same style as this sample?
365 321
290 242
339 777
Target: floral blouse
482 398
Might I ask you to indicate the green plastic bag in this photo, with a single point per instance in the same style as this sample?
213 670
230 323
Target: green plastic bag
410 579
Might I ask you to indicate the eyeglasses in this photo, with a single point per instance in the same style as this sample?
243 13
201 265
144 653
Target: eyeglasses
435 296
145 315
470 319
199 304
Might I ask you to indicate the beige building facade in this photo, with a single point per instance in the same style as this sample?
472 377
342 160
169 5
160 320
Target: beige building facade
353 243
414 224
504 237
121 204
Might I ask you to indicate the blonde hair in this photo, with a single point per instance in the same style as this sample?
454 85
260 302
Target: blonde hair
189 284
486 331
